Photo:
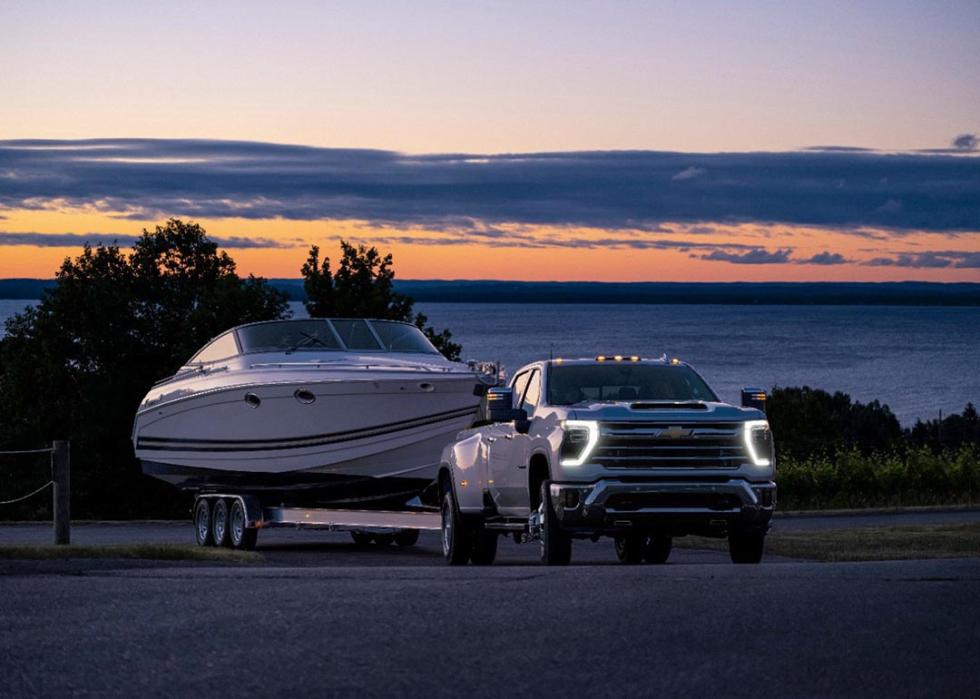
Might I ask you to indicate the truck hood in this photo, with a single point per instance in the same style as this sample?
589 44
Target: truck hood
639 411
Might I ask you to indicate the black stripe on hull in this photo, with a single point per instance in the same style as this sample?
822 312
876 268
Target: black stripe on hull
296 488
220 445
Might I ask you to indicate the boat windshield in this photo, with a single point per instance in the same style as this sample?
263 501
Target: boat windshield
572 384
319 334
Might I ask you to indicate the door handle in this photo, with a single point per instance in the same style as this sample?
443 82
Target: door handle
489 440
522 466
508 436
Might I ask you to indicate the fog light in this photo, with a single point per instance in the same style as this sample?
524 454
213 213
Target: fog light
570 498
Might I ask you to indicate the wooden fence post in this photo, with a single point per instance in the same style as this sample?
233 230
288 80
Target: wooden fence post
62 491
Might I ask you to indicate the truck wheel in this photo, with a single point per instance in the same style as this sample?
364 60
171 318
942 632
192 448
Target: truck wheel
657 549
202 523
746 545
242 536
456 540
219 522
630 547
556 545
383 539
484 548
407 537
360 538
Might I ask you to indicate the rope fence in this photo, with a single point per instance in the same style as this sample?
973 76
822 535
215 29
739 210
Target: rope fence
59 484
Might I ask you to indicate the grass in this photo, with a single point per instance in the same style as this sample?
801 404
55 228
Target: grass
866 543
156 552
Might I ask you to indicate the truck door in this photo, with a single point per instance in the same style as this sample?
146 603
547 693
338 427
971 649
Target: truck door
509 452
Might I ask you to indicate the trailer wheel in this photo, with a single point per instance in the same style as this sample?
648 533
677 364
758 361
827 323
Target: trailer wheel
219 522
202 523
657 549
746 545
484 548
242 536
360 538
407 537
456 538
630 547
556 545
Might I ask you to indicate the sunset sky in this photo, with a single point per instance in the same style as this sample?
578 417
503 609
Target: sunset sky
506 140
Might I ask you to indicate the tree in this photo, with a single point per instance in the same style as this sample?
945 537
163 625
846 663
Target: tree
363 287
77 365
808 421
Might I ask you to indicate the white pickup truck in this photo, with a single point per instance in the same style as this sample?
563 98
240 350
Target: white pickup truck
640 450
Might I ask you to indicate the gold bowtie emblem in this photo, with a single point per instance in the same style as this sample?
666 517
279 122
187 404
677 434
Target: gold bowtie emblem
676 432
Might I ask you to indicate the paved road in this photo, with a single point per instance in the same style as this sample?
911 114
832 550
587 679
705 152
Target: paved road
695 627
324 617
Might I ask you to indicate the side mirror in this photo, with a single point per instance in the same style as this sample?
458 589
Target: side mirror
754 398
500 404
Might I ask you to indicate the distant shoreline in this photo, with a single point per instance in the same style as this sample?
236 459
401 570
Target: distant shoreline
725 293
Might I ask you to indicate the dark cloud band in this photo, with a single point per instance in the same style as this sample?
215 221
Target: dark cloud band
67 240
614 190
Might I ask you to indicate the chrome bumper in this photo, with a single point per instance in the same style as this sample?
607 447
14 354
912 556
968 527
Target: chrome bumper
611 503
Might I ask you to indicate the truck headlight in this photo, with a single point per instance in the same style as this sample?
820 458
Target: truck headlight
758 442
580 439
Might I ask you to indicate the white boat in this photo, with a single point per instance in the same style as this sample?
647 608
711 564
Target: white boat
313 411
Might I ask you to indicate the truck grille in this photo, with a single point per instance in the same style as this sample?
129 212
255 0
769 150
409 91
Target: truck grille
670 445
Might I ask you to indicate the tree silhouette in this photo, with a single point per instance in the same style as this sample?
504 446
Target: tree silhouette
363 287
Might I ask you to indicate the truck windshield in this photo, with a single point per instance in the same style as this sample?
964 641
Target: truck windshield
572 384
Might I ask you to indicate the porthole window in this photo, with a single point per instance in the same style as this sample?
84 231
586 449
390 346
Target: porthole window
426 386
252 400
304 395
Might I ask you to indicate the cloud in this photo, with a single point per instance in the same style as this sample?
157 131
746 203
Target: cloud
966 141
688 173
825 258
757 256
152 179
64 240
961 259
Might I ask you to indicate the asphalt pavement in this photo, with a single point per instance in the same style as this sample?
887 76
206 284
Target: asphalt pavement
322 617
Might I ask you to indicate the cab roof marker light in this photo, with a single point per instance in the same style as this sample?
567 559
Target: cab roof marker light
590 426
749 446
675 360
601 358
634 358
618 357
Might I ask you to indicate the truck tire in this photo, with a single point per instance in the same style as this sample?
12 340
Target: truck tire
383 539
746 545
406 537
202 523
657 549
556 545
630 547
484 548
457 542
242 536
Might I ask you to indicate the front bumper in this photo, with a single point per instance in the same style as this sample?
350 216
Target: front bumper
672 506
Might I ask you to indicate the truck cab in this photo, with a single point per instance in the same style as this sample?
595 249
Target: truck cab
639 450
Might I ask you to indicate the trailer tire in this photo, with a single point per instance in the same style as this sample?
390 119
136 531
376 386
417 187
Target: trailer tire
202 523
406 537
360 538
556 545
457 540
242 536
219 522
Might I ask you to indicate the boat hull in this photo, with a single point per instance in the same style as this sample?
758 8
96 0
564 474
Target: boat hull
368 439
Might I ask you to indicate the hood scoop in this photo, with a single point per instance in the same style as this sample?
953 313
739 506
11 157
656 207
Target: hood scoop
665 405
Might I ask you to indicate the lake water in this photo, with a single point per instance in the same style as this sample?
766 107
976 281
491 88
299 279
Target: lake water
918 360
